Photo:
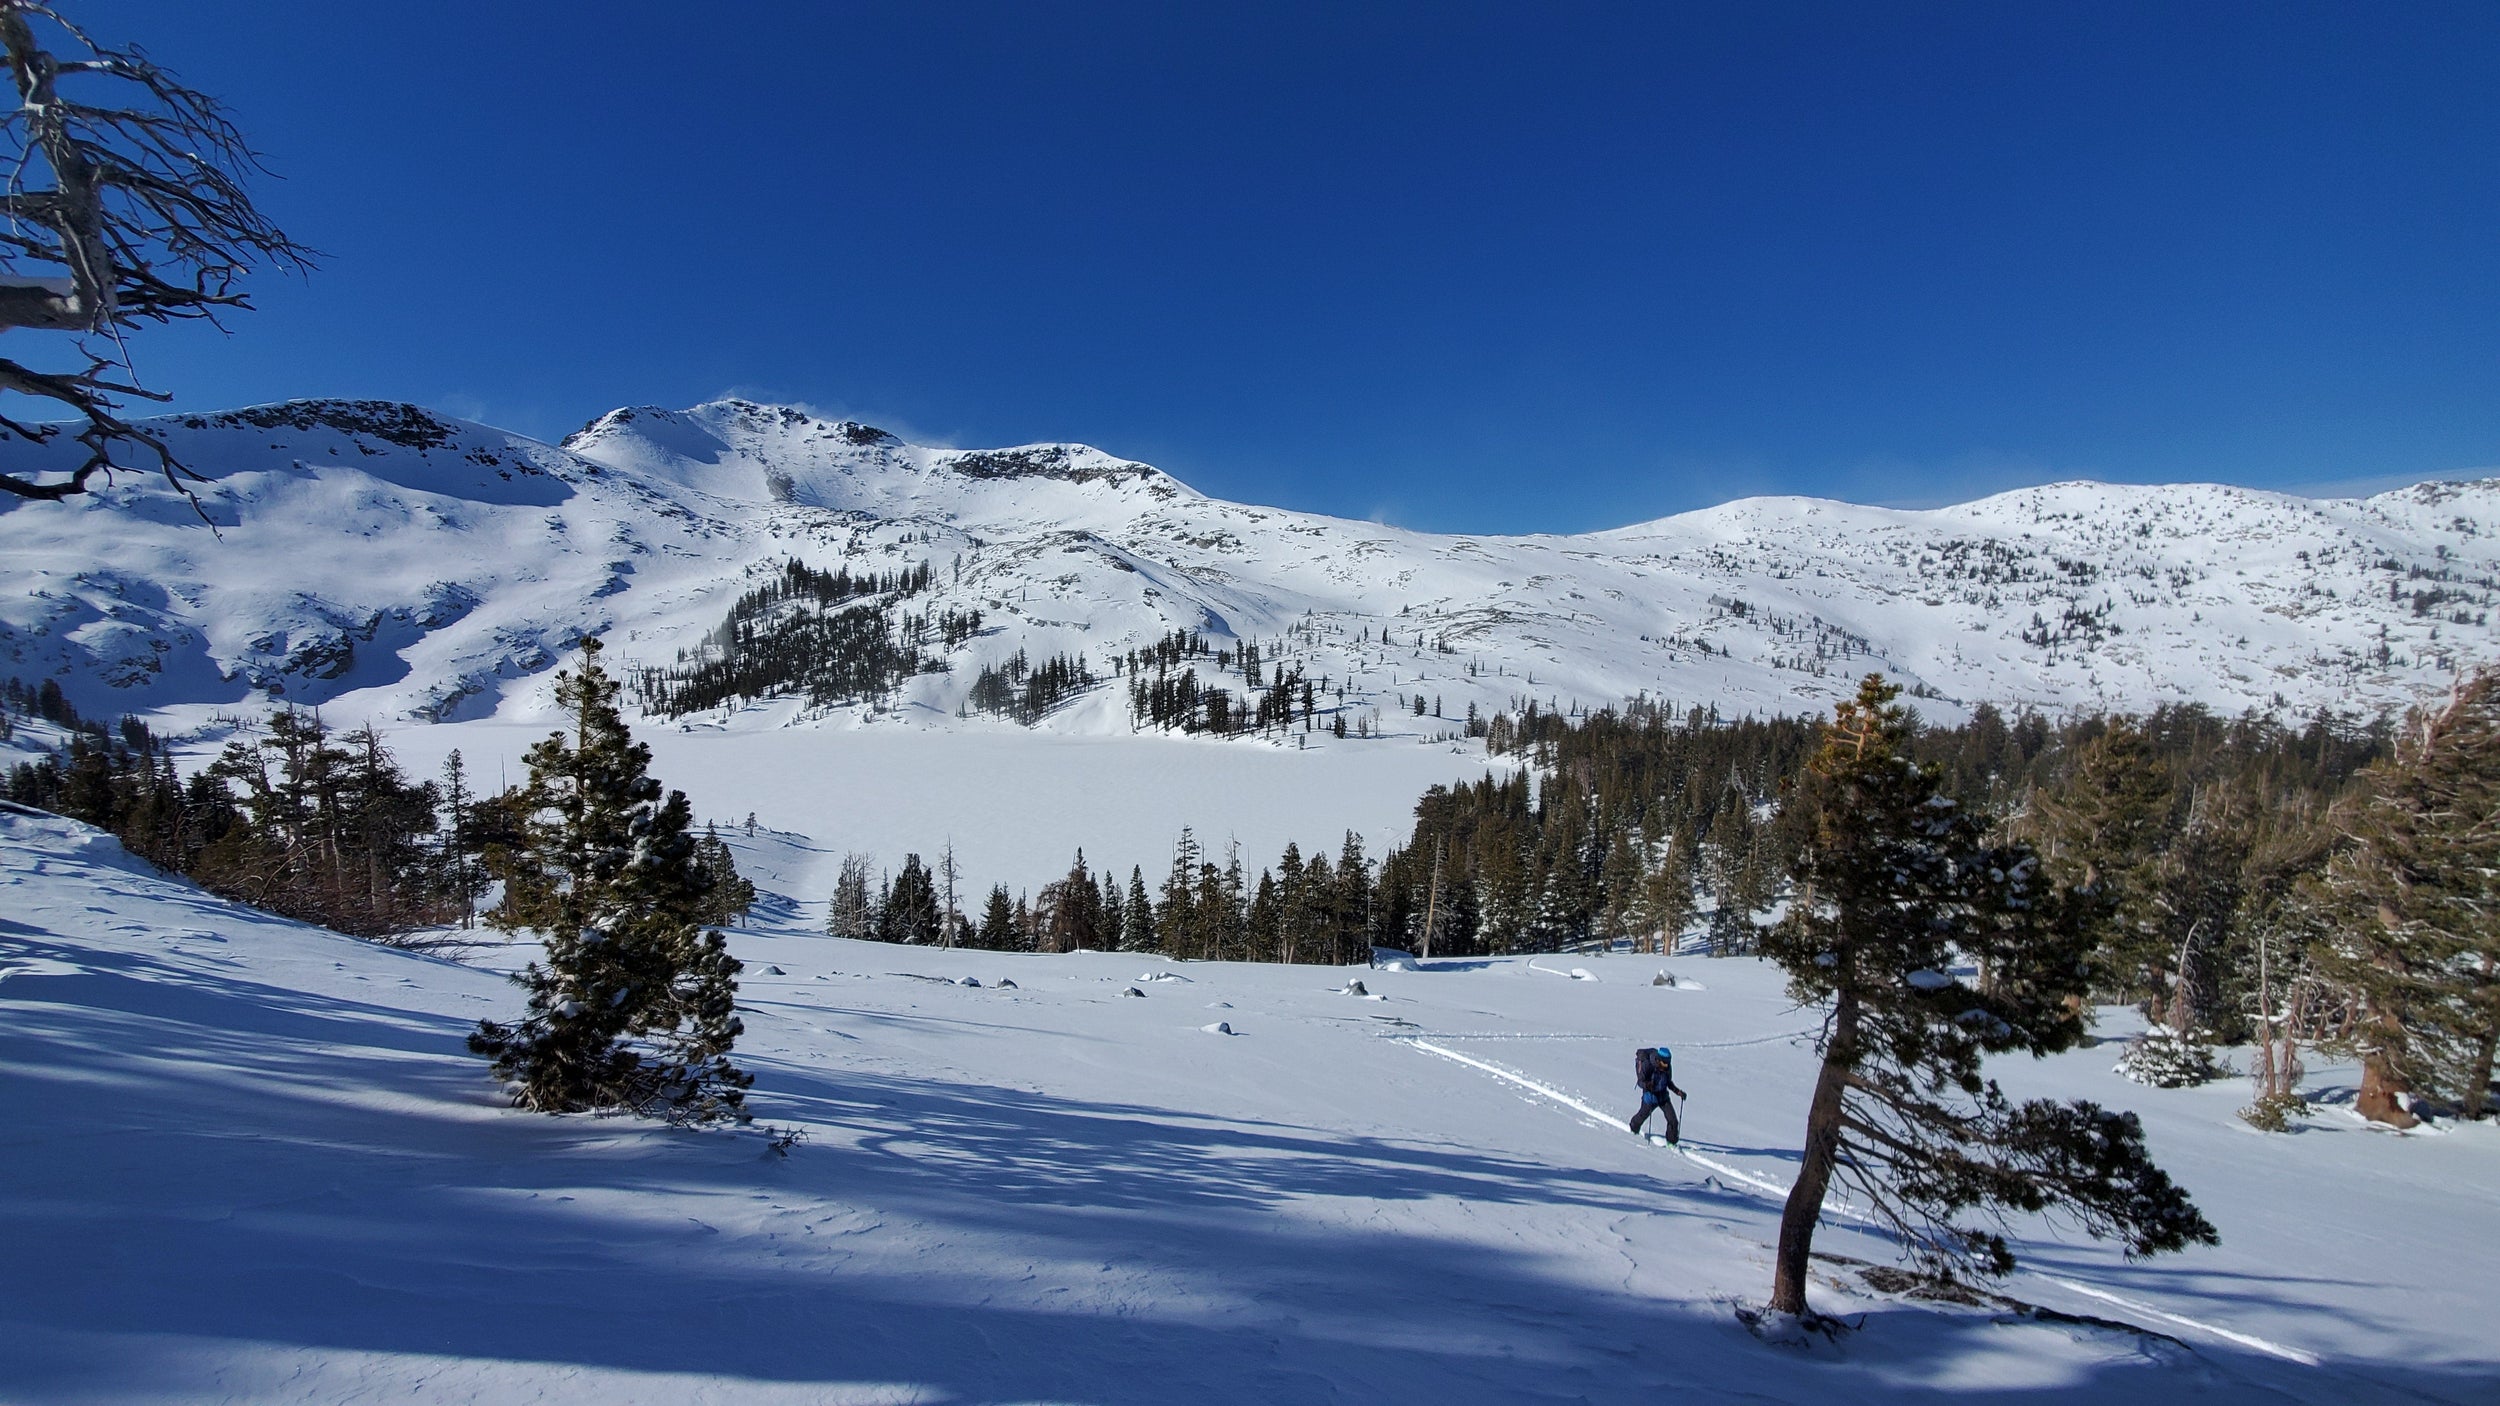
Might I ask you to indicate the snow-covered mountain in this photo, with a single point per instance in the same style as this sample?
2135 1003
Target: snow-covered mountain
422 567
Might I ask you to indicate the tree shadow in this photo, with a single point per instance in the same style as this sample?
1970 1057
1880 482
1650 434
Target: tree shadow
207 1167
1777 1154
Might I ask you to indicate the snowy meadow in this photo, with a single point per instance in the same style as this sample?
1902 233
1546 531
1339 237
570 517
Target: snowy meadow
256 1163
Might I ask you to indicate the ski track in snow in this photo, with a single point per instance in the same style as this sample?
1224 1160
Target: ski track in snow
1774 1189
2288 1354
1593 1114
1540 1035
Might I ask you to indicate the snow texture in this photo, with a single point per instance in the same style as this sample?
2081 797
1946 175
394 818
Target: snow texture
249 1160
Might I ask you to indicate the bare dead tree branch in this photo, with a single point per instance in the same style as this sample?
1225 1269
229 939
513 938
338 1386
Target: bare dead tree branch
124 203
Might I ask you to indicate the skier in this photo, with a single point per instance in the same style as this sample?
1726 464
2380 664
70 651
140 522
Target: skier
1654 1070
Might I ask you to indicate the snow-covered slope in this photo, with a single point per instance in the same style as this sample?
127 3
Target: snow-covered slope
250 1161
411 566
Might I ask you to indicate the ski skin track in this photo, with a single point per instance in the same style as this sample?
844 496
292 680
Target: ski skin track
1773 1189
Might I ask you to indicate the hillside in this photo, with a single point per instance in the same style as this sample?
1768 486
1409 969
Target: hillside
252 1162
397 564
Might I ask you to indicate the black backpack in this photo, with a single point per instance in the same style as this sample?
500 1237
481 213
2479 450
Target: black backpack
1649 1071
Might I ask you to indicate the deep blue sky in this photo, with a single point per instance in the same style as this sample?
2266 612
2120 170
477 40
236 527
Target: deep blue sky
1502 267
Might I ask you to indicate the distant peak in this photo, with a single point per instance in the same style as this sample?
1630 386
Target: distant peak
731 414
617 419
756 416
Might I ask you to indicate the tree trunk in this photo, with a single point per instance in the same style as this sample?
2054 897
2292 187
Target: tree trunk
2478 1074
1814 1173
2379 1087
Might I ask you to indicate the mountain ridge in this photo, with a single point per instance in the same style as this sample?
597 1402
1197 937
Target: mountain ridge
404 563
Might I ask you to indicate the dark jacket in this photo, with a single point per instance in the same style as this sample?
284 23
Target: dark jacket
1655 1076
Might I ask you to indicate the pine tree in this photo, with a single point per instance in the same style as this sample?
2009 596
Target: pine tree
1137 934
1293 906
2412 903
1262 941
1896 885
1620 882
1666 901
1211 911
1176 917
2200 892
730 896
1233 903
1114 910
998 921
1080 909
382 857
1350 908
910 912
329 829
2107 831
633 1004
459 877
852 911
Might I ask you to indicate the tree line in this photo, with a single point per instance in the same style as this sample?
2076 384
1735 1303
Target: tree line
2230 853
1633 823
1025 692
298 819
1200 910
828 637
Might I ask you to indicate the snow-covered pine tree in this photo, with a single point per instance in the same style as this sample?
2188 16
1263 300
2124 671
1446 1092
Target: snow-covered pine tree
632 1006
2412 909
2164 1058
1896 886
